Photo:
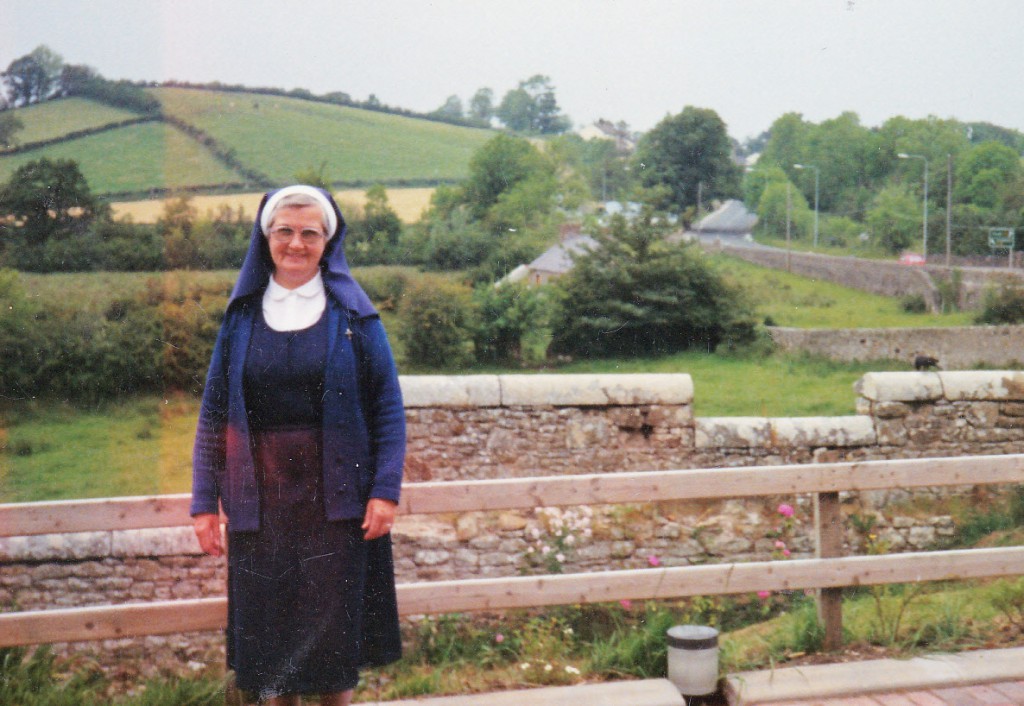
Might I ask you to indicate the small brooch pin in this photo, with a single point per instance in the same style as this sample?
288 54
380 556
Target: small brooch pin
348 333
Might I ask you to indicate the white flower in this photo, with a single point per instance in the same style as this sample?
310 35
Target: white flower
559 557
535 532
570 540
548 667
524 666
545 550
571 669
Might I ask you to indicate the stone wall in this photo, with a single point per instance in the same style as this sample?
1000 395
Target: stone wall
955 347
888 278
503 426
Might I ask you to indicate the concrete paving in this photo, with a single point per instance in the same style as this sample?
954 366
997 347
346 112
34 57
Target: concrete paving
850 682
648 692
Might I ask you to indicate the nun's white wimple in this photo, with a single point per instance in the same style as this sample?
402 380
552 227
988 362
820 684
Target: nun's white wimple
328 209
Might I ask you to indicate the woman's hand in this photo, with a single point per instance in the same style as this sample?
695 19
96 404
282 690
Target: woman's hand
380 515
207 529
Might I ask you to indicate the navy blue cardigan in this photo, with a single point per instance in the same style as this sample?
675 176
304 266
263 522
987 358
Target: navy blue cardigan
363 420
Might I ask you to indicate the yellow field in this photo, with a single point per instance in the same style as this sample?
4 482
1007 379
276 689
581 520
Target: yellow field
409 204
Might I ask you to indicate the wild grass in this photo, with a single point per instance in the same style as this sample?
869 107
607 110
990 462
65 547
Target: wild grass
282 136
53 451
54 118
801 302
134 158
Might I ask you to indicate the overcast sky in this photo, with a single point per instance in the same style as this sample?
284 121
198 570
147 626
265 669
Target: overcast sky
638 61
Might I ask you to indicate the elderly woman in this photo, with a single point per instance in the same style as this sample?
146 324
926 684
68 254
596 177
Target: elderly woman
301 440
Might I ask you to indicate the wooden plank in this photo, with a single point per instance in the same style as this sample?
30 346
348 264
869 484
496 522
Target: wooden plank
111 622
828 522
717 579
101 514
165 617
464 496
712 483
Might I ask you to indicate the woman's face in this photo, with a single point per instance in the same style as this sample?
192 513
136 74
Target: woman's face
296 258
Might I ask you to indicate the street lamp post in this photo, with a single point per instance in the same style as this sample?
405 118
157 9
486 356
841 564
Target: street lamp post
817 175
904 155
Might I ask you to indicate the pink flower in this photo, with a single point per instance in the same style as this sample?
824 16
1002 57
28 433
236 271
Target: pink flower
499 638
786 510
626 603
786 552
779 544
653 560
764 595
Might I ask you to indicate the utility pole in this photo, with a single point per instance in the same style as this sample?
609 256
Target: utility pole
949 207
789 209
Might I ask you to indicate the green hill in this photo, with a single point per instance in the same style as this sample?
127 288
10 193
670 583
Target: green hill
54 118
222 140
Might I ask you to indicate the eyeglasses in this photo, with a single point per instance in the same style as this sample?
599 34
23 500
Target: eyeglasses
284 234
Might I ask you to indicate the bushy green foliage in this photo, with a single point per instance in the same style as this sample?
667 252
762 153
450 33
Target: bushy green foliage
895 218
638 294
1003 304
687 153
436 323
375 233
156 340
514 323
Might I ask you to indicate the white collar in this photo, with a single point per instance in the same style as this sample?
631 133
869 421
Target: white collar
310 290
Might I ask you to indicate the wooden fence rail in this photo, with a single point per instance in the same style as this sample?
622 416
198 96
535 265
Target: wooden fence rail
829 572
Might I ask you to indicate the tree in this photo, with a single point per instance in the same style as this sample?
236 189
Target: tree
639 295
48 201
772 207
374 238
481 106
498 167
451 110
9 125
533 108
895 218
31 78
687 153
983 170
315 176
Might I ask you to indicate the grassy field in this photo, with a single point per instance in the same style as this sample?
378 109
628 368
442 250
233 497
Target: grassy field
801 302
275 136
409 204
44 121
282 136
143 446
133 158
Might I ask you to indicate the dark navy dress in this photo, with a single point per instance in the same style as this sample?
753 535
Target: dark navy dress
309 601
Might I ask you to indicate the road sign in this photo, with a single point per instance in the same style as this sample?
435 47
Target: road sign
1001 238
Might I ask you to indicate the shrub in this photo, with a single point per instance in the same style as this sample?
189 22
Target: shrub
1004 303
385 285
637 294
514 322
437 319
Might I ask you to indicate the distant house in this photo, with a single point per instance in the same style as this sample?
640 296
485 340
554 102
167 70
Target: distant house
553 262
731 218
625 141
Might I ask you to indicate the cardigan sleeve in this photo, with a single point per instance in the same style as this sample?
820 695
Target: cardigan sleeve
385 412
210 450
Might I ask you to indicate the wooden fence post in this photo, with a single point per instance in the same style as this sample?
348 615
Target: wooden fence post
828 524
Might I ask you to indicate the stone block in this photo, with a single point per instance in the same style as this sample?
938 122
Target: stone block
983 384
450 390
823 431
160 541
596 390
732 432
48 547
1012 409
890 410
900 387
